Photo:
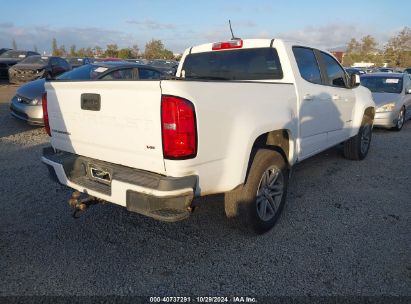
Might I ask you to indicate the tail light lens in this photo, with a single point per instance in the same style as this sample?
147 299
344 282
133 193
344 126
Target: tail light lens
178 123
45 114
225 45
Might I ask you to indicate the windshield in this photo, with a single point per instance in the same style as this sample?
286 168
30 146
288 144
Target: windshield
36 60
85 72
380 84
14 54
245 64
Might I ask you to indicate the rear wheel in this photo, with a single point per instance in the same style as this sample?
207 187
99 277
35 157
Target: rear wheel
356 148
400 120
260 201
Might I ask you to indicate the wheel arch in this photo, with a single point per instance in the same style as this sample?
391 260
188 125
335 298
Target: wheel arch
280 140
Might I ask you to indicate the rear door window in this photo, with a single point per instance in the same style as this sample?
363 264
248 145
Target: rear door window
307 64
122 74
244 64
148 74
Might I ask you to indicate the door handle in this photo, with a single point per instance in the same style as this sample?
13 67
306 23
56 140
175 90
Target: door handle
335 97
308 97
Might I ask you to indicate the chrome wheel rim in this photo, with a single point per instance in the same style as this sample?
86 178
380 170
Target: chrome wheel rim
400 120
269 194
365 138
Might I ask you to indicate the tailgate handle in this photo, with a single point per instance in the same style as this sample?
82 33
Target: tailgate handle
90 102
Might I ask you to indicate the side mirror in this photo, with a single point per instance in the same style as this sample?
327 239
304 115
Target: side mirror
354 80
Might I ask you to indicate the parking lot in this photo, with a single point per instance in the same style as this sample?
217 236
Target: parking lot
346 230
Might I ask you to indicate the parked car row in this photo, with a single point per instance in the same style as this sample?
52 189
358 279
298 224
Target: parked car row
76 62
10 58
361 71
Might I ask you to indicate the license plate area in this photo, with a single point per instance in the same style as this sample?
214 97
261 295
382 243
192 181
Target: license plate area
99 174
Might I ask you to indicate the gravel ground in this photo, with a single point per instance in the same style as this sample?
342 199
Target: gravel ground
345 231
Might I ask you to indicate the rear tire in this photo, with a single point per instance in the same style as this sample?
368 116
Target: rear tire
259 202
357 147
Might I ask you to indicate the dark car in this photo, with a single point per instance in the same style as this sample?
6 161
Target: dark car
36 67
169 67
27 103
355 71
384 70
407 70
10 58
139 61
106 59
76 62
4 50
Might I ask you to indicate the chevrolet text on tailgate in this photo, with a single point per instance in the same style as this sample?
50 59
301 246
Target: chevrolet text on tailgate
235 119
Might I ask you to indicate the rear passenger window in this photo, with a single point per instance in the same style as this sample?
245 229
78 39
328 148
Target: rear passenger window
335 73
148 74
125 74
307 64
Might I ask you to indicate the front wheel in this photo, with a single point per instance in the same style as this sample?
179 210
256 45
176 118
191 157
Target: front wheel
356 148
400 120
259 202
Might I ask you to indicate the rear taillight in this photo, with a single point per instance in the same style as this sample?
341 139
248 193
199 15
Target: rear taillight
45 113
178 125
232 44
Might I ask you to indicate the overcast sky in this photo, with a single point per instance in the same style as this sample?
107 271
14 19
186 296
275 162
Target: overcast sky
181 24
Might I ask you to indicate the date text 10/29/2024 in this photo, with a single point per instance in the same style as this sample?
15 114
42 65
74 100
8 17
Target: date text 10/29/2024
234 299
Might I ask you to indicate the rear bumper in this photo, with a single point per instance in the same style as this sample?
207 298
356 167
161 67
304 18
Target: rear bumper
157 196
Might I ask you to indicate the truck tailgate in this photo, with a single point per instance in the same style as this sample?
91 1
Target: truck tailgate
113 121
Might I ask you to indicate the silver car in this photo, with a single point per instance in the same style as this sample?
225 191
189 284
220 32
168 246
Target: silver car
27 103
392 96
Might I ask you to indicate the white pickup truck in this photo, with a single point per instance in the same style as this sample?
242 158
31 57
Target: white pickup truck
235 119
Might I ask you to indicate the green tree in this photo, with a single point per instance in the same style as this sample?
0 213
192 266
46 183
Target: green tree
85 52
73 52
363 50
397 52
98 51
353 46
14 44
135 50
125 53
54 47
155 50
368 44
60 51
111 50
